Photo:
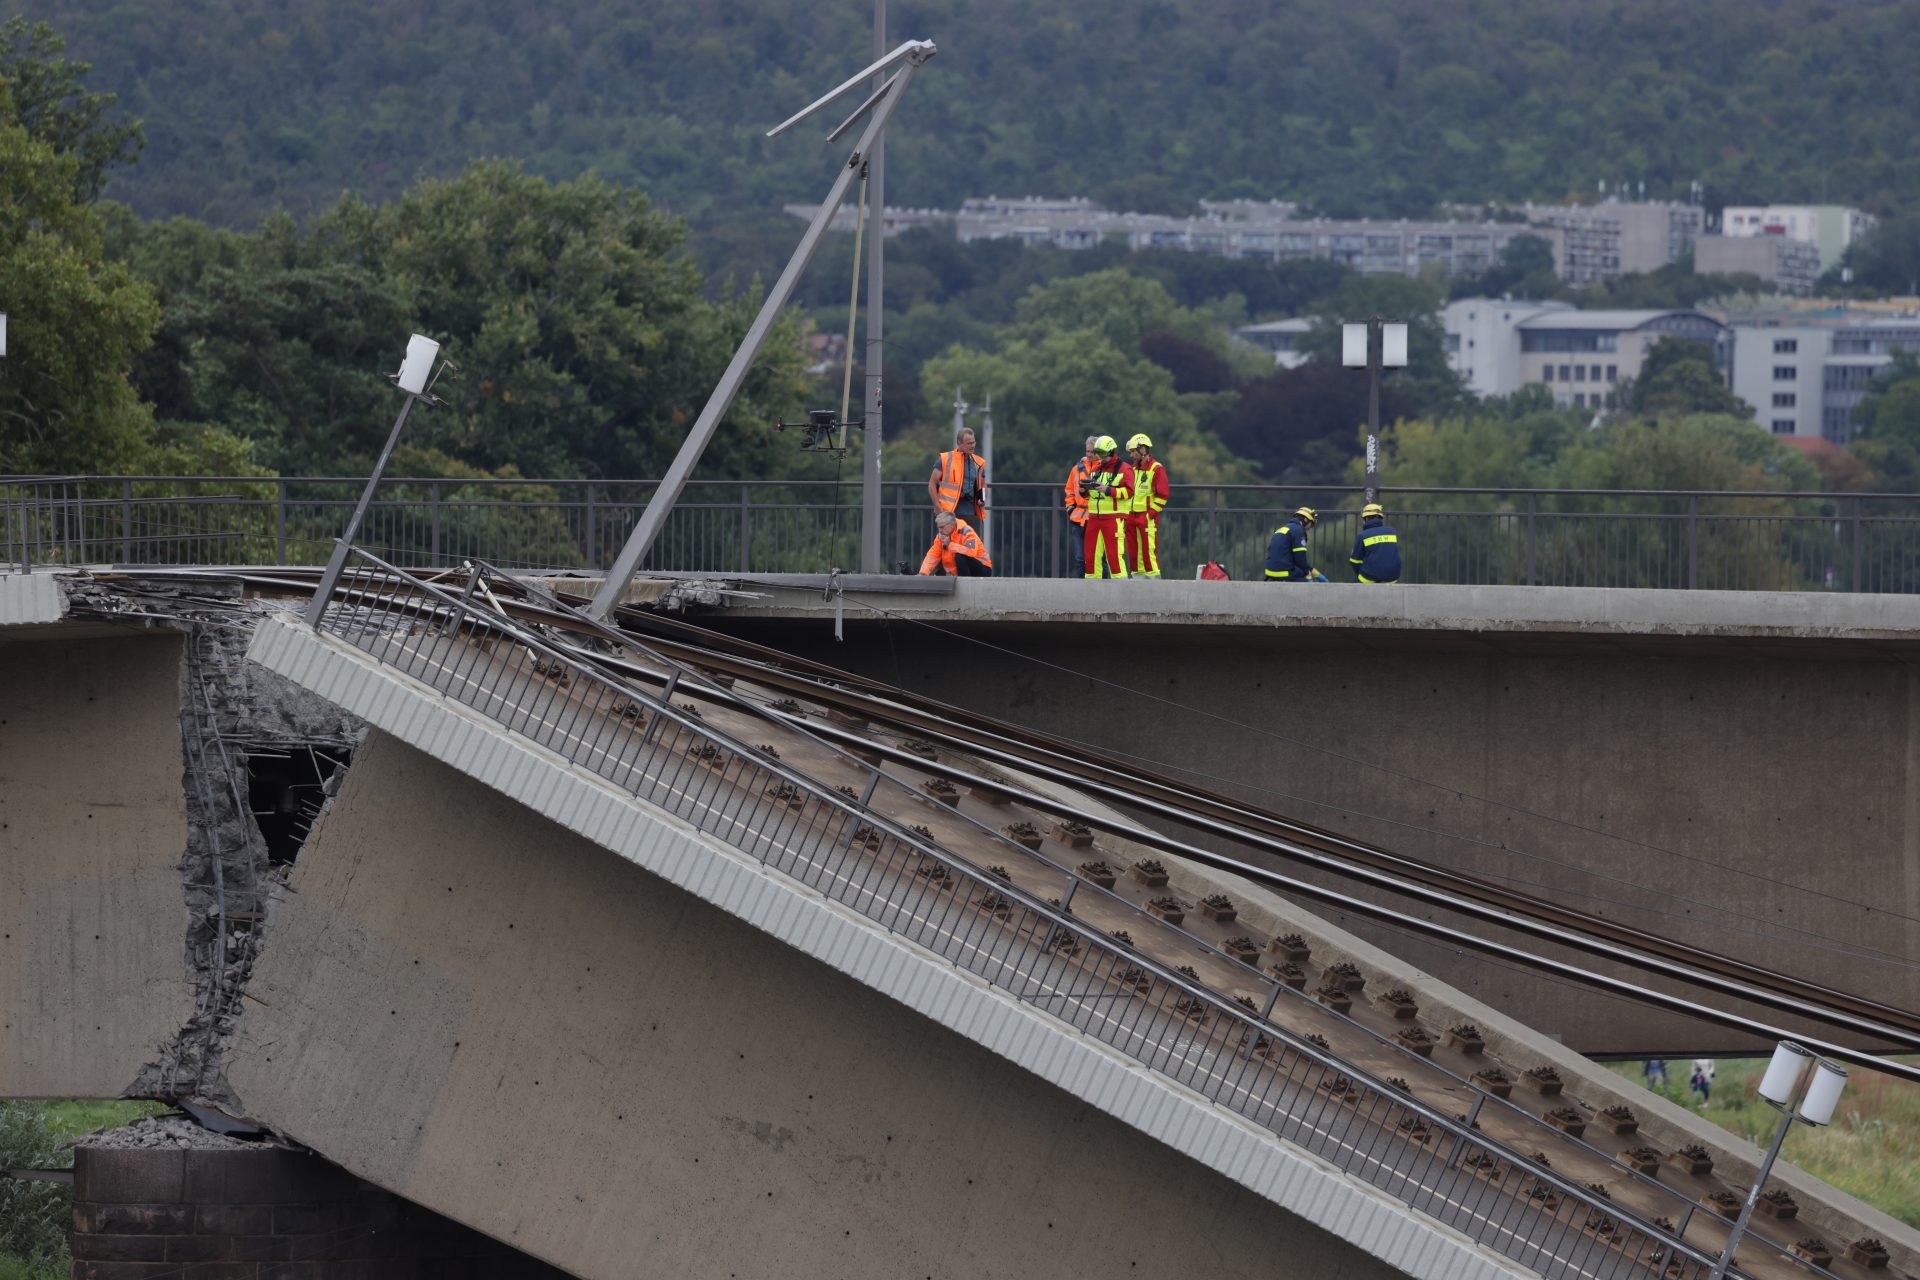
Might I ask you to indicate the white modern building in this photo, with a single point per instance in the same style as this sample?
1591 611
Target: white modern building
1583 356
1830 228
1500 346
1805 378
1482 340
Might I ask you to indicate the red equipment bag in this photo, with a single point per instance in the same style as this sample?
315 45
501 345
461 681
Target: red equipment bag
1212 572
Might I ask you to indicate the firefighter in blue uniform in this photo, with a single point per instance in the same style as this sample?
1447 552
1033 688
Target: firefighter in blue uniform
1376 551
1287 550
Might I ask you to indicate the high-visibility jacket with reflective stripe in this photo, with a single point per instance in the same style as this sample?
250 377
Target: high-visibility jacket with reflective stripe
1150 487
964 542
1110 489
1376 553
1076 500
1287 553
963 478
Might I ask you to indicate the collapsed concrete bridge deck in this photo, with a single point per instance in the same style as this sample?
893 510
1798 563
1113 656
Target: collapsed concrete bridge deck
416 952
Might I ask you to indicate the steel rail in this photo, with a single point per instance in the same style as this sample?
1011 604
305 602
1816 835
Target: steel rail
1242 822
429 602
1061 762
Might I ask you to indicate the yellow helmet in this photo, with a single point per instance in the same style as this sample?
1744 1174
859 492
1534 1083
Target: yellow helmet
1371 510
1106 444
1140 441
1308 514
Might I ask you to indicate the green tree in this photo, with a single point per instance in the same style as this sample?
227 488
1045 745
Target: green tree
1428 386
578 338
1678 378
50 102
1051 392
75 324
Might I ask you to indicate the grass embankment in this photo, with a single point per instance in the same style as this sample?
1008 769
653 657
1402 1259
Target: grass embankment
1871 1150
35 1216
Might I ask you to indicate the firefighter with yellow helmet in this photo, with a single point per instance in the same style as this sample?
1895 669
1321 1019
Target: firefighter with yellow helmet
1108 488
1287 559
1376 551
1149 500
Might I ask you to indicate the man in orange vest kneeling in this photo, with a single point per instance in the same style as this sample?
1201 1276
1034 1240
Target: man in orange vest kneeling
957 549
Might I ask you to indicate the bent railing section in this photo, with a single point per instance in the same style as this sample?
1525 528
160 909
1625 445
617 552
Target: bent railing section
840 844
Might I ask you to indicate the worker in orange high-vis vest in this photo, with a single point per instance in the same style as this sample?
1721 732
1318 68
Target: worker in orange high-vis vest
1109 493
1077 510
959 480
956 550
1149 500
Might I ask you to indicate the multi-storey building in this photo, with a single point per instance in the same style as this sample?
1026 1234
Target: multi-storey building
1829 228
1582 357
1791 266
1805 377
1600 241
1482 337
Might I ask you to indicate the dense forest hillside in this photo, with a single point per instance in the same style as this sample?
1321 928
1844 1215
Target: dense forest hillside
1386 106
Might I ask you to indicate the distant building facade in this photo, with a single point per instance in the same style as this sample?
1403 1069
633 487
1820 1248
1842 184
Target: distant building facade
1805 377
1580 357
1482 339
1791 266
1829 228
1596 242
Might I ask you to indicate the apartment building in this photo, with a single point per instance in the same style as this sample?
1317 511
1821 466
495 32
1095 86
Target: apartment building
1595 242
1264 230
1791 266
1805 378
1829 228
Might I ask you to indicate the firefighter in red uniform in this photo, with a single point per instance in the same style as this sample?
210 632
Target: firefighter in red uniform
1109 492
1149 500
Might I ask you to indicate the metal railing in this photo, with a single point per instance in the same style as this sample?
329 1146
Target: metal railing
1753 541
838 842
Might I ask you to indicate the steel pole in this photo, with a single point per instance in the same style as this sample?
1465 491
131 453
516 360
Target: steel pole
1753 1195
1374 343
627 563
344 543
870 432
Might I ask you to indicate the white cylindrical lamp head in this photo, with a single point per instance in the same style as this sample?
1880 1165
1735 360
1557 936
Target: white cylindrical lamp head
1353 346
1823 1094
1393 346
1781 1084
421 353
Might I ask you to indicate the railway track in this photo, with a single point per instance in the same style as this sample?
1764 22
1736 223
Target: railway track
676 641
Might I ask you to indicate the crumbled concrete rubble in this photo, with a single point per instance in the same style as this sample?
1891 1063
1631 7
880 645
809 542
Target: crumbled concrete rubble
228 708
162 1132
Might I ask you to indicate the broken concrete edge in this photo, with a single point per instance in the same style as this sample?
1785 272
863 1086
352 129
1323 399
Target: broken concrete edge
1827 1208
225 869
789 911
1597 611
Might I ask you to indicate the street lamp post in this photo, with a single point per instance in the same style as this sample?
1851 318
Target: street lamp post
1800 1085
412 379
1374 345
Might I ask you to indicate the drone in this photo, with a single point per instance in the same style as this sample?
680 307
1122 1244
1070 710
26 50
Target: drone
823 431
